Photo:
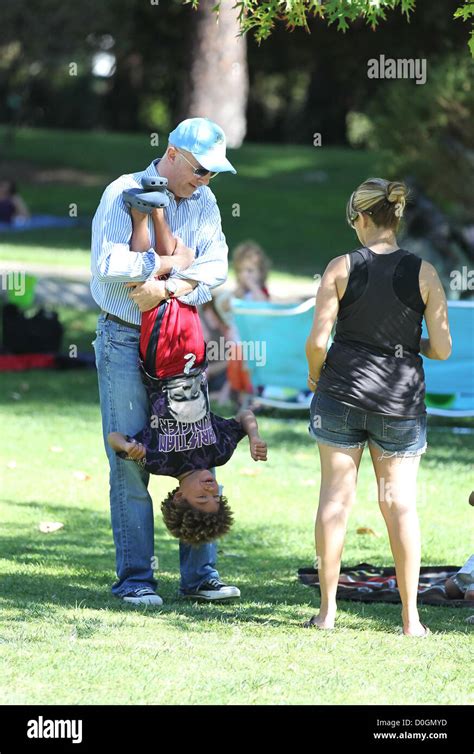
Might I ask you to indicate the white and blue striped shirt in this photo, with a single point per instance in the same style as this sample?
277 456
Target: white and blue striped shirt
196 221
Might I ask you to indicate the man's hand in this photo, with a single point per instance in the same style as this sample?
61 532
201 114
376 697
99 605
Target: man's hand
148 294
258 448
312 384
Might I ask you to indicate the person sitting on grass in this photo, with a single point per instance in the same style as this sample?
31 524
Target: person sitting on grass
183 438
12 206
461 585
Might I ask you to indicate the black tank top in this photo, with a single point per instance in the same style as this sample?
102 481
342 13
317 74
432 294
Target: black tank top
374 362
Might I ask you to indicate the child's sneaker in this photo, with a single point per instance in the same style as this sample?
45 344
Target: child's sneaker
145 201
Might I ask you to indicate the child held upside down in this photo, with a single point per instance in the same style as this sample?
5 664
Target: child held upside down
182 438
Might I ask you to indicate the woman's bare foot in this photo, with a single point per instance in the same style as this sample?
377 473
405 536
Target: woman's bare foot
324 622
418 629
118 442
412 626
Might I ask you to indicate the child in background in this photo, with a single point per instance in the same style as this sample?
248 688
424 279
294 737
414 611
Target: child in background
251 266
217 333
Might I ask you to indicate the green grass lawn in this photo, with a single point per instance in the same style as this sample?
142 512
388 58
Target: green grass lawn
291 199
65 639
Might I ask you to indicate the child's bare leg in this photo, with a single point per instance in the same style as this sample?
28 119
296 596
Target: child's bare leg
140 240
118 442
166 243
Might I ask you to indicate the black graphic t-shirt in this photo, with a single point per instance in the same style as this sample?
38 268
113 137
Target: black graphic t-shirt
182 434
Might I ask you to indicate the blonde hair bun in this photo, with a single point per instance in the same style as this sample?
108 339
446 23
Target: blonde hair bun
384 201
396 192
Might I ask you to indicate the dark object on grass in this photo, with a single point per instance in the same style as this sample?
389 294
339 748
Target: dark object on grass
41 333
15 362
20 362
453 592
81 361
368 583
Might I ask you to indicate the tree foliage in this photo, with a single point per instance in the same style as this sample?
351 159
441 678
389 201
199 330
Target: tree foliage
466 12
261 17
426 132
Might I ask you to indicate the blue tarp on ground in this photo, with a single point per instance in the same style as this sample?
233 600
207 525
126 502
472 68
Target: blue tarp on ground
40 221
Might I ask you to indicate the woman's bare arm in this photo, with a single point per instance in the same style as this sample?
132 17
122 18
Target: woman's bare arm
438 345
327 307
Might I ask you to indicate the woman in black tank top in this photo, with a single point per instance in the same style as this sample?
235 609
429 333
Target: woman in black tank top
370 387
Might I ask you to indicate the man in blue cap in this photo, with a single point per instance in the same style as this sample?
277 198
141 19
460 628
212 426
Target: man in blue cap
124 284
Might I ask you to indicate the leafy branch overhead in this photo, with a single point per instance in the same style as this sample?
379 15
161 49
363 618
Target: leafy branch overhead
261 17
466 12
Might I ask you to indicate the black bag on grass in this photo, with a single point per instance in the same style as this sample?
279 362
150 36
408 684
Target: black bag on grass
41 333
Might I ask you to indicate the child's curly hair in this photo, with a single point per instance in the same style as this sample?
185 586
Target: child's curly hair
193 526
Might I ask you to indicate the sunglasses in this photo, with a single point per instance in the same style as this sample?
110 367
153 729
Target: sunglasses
199 171
352 214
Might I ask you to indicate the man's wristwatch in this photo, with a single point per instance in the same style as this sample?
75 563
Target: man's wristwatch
171 286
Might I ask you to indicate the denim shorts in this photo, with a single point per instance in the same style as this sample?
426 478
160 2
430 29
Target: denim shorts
342 426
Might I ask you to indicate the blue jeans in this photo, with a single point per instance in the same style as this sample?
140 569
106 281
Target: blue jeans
124 408
342 426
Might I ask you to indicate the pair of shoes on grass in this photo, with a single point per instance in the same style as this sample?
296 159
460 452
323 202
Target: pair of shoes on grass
210 591
152 195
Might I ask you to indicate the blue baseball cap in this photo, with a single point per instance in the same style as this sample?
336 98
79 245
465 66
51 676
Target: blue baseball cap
206 142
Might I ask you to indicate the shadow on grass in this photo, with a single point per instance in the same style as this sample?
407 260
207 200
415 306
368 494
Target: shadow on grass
271 593
50 391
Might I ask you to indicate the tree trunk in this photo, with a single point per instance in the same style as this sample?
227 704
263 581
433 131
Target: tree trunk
218 81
